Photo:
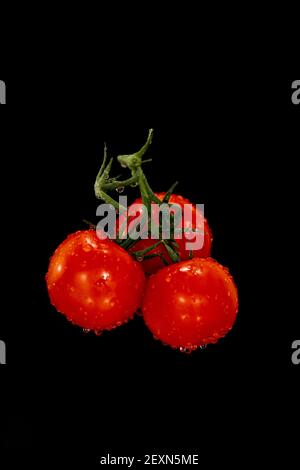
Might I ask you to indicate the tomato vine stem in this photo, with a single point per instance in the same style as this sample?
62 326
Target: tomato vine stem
104 184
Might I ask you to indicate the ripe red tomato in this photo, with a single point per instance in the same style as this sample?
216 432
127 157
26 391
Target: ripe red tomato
152 265
191 304
94 283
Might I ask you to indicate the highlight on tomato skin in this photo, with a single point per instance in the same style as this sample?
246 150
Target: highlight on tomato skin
191 304
154 264
95 283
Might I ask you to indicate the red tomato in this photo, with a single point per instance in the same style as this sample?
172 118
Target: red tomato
94 283
152 265
190 304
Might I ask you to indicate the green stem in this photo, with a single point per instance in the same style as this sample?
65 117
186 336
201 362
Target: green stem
169 192
140 253
171 252
134 161
155 255
89 223
105 184
128 243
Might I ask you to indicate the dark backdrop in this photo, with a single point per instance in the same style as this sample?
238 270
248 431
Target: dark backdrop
232 148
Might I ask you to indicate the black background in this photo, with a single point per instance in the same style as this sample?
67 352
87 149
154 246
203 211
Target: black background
232 145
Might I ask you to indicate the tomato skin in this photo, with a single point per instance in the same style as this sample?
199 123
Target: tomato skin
94 283
152 265
191 304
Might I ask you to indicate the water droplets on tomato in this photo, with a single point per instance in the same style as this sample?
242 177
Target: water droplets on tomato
188 349
87 248
191 348
120 189
86 330
184 269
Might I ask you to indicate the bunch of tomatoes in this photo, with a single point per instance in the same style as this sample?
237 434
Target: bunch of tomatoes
187 299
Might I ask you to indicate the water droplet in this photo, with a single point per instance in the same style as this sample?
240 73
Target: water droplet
105 275
86 248
98 332
204 346
185 349
86 330
123 165
188 349
185 268
134 185
140 258
120 189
